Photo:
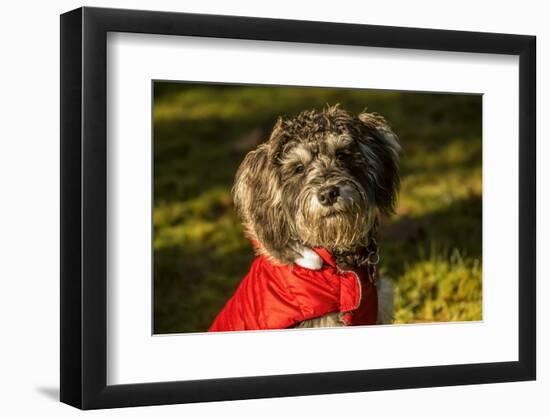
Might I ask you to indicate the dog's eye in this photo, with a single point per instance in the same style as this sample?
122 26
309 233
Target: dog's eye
299 169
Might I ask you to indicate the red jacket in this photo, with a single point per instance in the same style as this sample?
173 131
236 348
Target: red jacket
280 296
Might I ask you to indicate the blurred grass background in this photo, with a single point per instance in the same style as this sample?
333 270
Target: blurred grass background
431 248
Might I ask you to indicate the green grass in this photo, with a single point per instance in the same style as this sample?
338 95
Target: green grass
431 248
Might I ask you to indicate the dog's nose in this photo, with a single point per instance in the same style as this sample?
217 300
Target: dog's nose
327 196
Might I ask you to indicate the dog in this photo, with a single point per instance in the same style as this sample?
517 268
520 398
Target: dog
310 199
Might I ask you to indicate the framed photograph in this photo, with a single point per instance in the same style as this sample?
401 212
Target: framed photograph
259 208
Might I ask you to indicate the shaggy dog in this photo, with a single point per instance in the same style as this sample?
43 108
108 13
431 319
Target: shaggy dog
310 199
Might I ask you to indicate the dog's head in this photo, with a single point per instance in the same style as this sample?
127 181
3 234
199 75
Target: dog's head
320 180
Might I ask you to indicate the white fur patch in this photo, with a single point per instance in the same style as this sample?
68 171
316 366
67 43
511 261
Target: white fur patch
315 202
309 260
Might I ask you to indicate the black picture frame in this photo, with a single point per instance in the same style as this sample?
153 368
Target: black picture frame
84 197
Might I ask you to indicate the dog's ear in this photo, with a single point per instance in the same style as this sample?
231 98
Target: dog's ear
257 197
277 141
380 147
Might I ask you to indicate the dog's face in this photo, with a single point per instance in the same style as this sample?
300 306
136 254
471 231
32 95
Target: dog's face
325 191
321 180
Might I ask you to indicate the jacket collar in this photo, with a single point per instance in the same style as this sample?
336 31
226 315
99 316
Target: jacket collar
326 256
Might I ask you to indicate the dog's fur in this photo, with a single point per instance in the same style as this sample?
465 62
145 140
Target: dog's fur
321 180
